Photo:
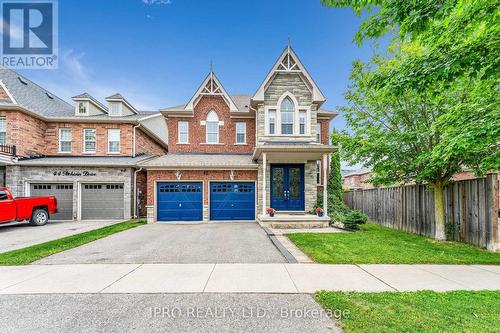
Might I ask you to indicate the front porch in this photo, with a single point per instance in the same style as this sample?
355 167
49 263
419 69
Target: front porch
293 221
288 182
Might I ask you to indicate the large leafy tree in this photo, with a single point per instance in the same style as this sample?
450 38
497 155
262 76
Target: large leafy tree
429 106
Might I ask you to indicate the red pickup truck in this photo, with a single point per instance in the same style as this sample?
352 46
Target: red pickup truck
37 209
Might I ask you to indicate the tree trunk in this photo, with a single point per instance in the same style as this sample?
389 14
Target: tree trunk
439 212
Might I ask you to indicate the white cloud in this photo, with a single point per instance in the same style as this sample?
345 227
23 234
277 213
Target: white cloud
74 77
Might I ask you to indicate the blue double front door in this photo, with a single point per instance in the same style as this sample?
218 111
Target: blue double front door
287 186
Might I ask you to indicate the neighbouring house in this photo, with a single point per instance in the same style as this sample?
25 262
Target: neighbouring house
218 157
356 179
85 154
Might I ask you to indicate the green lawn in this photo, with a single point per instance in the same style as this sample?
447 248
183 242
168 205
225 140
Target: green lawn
422 311
29 254
375 244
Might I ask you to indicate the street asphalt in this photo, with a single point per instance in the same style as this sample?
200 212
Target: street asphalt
163 313
177 244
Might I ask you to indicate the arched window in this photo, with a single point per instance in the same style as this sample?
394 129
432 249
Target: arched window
212 127
287 110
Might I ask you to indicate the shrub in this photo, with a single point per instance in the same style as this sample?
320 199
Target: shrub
353 219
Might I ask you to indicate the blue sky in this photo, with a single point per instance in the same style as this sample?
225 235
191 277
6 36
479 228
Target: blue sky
157 52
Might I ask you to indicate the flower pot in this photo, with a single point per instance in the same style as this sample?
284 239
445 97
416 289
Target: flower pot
321 214
271 214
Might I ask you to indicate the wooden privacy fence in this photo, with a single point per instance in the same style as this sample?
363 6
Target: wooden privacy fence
471 209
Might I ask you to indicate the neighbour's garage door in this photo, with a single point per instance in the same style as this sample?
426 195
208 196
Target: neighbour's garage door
63 194
102 201
230 201
179 201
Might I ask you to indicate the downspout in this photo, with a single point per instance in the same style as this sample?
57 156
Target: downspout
135 191
133 138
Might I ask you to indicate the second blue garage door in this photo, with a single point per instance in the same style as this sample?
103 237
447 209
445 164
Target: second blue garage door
179 201
232 201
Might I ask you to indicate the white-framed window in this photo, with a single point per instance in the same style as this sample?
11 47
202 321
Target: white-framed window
318 172
115 109
318 132
272 121
302 122
183 132
287 112
89 140
82 108
3 130
65 138
212 127
241 133
114 140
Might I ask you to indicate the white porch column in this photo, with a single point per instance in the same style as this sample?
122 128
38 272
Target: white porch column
264 168
325 181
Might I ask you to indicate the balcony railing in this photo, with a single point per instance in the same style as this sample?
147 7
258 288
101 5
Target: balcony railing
8 150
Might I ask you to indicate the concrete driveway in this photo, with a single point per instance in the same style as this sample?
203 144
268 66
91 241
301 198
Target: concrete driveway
177 244
18 235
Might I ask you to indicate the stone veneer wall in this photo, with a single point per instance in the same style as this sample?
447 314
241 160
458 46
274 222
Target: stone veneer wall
2 176
18 176
281 83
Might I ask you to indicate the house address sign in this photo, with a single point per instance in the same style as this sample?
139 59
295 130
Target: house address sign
74 173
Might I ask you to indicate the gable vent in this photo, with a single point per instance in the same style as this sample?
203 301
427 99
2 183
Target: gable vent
23 81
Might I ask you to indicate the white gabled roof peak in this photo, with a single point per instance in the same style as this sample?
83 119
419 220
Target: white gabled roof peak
211 86
289 62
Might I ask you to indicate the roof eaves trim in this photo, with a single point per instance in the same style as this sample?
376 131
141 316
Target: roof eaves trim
211 76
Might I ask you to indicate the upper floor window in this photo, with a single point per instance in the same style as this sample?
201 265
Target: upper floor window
272 121
114 109
241 133
287 111
89 139
114 140
302 122
3 130
183 132
318 132
82 108
212 127
65 138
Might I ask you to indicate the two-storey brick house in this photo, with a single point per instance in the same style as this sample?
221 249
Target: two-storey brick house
229 156
85 154
232 157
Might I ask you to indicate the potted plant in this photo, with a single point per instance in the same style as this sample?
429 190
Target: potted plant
320 212
271 212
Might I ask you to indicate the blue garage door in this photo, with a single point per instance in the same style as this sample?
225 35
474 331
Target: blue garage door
179 201
232 201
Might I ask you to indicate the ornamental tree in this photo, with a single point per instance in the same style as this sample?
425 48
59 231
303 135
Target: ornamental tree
428 106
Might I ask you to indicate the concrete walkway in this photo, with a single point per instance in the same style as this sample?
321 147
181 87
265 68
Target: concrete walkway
242 278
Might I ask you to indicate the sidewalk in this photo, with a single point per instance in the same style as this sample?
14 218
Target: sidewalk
242 278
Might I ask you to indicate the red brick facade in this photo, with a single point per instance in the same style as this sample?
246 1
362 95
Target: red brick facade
197 132
52 138
25 132
205 176
145 144
33 137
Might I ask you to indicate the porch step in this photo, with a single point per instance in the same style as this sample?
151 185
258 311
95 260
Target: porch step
293 221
